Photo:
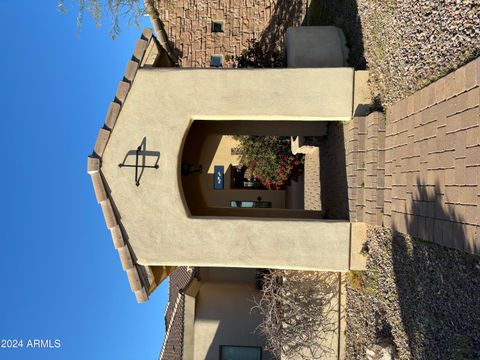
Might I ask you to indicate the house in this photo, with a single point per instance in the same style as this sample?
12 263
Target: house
164 171
209 315
213 313
201 34
164 122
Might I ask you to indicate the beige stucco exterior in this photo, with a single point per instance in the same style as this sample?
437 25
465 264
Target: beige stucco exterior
247 94
160 108
223 313
219 310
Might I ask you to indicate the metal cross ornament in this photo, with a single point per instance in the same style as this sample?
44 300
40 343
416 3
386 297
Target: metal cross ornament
140 160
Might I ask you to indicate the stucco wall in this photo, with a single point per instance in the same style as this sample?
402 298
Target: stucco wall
160 107
221 153
223 317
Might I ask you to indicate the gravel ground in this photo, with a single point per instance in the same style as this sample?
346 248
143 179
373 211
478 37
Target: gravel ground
406 44
424 297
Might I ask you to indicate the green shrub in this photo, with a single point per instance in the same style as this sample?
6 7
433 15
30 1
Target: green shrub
256 56
269 159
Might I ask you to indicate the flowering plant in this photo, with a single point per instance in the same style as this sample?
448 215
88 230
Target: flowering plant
269 159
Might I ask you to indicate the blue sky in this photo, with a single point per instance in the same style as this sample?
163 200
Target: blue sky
61 277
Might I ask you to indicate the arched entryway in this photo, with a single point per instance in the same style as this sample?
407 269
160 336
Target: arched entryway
209 176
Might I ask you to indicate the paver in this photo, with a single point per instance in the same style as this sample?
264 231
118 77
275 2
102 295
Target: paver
428 183
368 180
446 140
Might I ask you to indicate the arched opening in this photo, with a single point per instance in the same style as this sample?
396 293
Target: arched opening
213 183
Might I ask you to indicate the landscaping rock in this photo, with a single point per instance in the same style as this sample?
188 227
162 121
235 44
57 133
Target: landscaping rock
406 44
422 295
382 351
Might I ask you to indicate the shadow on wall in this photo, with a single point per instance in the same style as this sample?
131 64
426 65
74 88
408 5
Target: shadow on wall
437 287
142 270
177 53
343 14
224 314
194 150
138 159
333 173
285 14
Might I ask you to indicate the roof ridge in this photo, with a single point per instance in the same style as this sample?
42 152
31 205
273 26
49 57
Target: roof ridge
139 285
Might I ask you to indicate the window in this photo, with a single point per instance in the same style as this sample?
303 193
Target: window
216 60
250 204
240 352
217 26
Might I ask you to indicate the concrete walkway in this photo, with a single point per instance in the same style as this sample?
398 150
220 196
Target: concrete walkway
431 154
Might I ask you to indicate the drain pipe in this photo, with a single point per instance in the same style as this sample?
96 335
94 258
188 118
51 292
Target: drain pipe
159 29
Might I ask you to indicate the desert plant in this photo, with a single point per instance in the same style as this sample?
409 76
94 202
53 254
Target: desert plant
296 308
356 279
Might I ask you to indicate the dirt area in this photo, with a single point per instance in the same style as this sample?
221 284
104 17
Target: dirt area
420 296
405 44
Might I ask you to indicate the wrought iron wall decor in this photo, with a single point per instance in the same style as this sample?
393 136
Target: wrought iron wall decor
141 154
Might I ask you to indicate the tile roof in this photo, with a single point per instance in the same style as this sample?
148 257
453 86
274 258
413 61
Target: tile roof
172 348
142 279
